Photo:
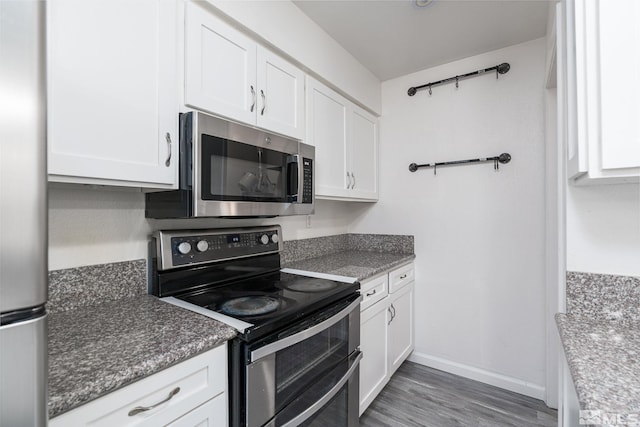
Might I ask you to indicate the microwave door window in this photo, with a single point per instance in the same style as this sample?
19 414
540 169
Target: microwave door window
234 171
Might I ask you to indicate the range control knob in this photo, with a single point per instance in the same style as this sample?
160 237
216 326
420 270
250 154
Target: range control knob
202 245
264 239
184 248
274 238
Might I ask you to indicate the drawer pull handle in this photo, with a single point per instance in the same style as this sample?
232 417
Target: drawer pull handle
138 409
404 276
373 292
167 162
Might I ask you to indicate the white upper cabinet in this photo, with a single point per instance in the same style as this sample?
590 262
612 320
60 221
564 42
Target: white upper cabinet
280 95
220 68
363 154
230 75
346 141
327 130
603 99
112 92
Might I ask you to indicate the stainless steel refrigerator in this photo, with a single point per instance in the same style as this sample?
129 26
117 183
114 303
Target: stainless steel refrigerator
23 214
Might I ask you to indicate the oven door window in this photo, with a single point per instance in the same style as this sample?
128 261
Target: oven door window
234 171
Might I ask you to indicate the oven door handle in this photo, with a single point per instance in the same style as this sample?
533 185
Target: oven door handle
319 404
303 335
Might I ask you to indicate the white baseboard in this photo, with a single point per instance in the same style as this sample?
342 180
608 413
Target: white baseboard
508 383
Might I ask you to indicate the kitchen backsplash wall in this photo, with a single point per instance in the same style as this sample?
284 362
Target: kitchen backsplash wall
298 250
603 229
72 288
603 297
90 225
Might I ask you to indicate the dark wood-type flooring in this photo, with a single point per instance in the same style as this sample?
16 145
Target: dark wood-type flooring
420 396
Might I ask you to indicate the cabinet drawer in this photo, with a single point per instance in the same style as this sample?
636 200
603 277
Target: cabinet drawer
373 290
400 277
199 379
211 414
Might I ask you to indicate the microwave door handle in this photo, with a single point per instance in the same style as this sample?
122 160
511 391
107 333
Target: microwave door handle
294 173
319 404
303 335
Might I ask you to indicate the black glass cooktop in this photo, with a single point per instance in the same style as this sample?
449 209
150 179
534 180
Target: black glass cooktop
270 301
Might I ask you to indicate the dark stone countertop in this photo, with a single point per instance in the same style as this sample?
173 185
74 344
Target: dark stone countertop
352 263
95 350
604 360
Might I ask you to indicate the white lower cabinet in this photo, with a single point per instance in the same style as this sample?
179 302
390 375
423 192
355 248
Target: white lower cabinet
400 330
212 413
386 329
191 393
374 372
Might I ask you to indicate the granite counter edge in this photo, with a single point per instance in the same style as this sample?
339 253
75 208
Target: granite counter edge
572 358
65 402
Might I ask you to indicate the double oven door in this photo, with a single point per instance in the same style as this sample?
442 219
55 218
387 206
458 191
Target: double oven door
306 375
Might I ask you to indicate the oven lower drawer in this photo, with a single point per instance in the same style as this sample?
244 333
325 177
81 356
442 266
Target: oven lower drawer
298 370
332 401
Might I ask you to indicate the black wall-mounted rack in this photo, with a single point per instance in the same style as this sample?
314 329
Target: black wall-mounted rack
500 69
502 158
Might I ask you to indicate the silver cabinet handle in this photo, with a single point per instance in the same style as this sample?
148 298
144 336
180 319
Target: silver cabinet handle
253 97
264 102
404 276
371 293
392 312
349 183
167 162
139 409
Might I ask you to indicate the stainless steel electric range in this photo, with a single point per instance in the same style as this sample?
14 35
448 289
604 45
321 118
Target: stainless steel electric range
296 358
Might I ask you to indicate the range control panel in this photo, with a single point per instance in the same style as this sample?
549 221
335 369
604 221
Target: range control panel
176 249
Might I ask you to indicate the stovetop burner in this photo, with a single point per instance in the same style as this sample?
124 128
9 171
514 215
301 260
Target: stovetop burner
311 285
250 306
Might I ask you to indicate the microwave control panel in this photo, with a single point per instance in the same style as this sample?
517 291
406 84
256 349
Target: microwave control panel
307 180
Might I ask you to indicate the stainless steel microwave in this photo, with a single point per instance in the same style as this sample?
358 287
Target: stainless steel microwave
230 170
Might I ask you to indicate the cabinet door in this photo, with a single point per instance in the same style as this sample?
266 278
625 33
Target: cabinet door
373 343
327 130
280 95
619 96
400 327
112 91
601 108
220 66
363 154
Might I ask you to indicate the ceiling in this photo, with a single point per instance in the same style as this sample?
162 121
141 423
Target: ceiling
393 38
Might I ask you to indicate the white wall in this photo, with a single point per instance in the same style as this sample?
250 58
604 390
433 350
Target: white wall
282 24
96 225
603 229
479 235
